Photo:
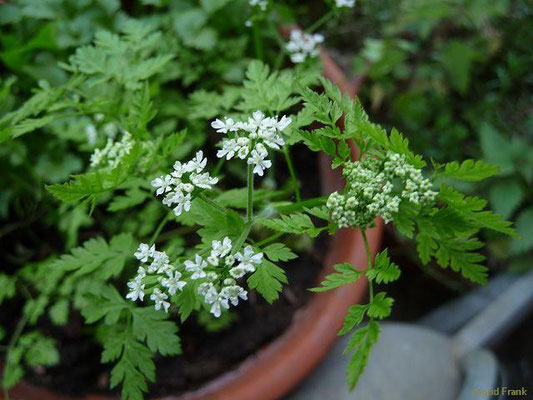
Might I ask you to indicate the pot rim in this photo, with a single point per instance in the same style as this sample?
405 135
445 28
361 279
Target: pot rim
280 366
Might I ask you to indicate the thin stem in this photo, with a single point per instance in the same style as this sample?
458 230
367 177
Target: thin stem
219 166
160 228
269 239
258 42
370 265
281 44
325 18
16 334
250 199
294 179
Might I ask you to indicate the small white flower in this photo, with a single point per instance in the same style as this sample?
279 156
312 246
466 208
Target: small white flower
204 181
248 259
173 283
136 290
221 248
237 272
144 251
204 288
303 45
233 293
197 267
162 184
229 147
159 298
198 163
224 126
345 3
160 262
260 163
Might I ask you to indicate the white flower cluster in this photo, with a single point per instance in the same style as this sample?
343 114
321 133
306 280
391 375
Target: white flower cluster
113 151
250 140
221 259
167 276
375 187
303 45
180 183
262 4
345 3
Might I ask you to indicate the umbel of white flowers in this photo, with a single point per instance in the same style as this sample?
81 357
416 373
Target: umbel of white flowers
251 140
217 273
113 151
180 183
376 187
303 45
167 275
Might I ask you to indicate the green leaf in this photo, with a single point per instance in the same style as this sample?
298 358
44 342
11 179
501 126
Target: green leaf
59 312
160 334
296 223
470 170
354 317
89 186
457 58
461 255
380 306
360 344
345 275
279 252
7 287
108 306
524 227
384 271
134 367
506 196
268 280
132 198
98 257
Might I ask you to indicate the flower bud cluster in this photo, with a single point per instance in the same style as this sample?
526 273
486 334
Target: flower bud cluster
376 187
167 275
113 151
179 184
251 140
303 45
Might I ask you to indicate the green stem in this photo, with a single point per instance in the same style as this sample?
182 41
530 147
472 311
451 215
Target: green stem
258 42
250 198
16 334
370 265
218 167
281 44
294 179
269 239
160 227
325 18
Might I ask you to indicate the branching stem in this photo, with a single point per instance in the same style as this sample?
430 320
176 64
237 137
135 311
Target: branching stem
294 179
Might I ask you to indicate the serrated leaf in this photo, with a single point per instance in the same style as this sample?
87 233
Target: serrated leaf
361 344
380 307
159 333
268 280
384 271
470 170
279 252
355 316
345 275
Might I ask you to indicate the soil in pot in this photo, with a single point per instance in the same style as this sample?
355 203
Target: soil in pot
206 355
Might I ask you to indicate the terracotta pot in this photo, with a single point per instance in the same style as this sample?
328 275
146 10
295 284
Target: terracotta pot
281 365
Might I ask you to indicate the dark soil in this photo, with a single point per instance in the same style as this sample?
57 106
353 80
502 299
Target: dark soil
206 355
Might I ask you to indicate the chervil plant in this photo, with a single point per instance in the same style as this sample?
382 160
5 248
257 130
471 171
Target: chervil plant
213 179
